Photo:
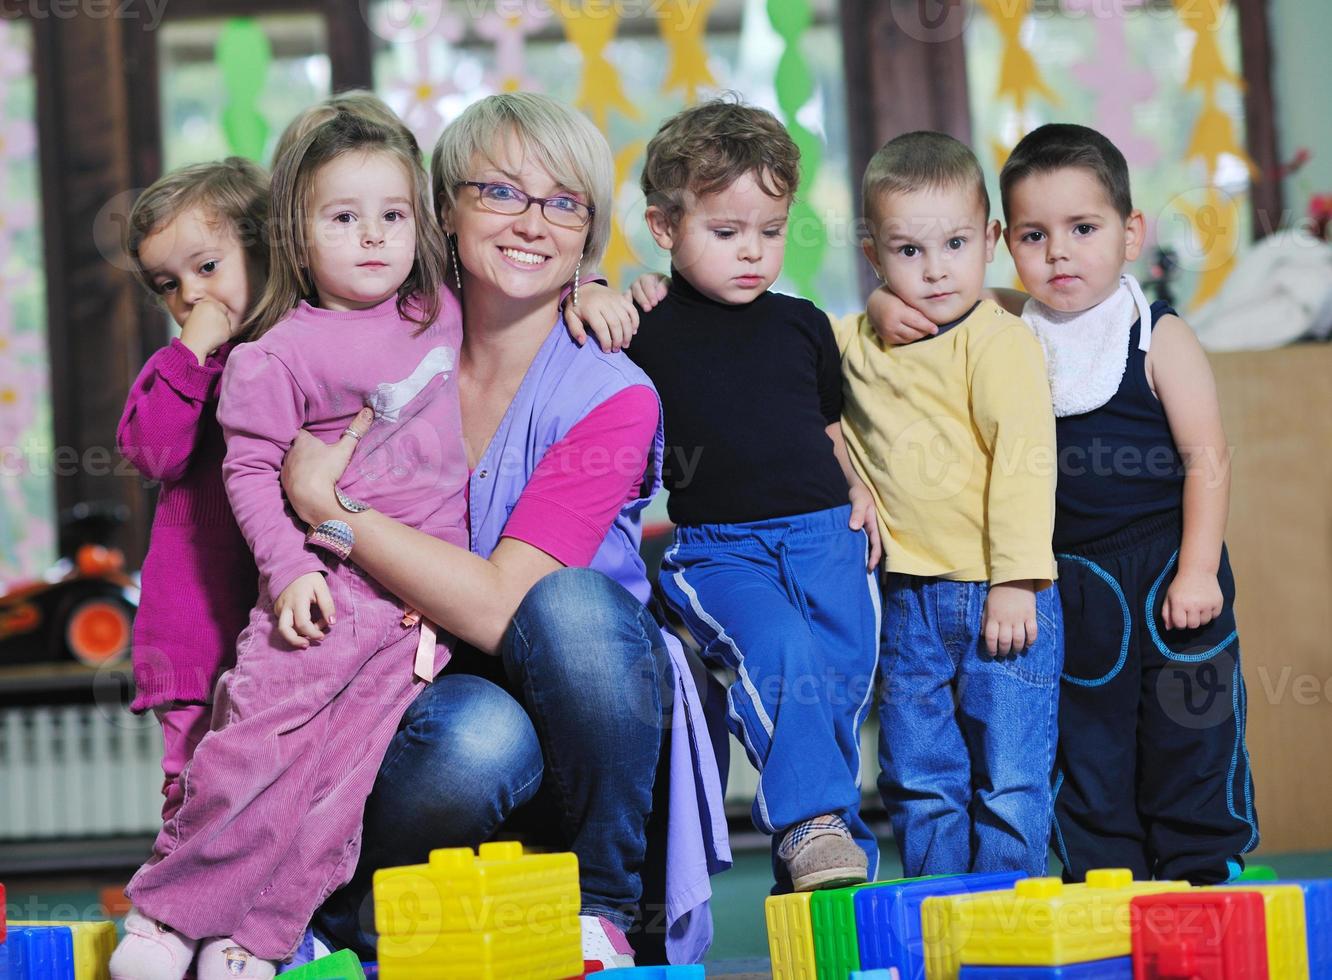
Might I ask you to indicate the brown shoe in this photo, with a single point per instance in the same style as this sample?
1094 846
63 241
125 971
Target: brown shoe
821 853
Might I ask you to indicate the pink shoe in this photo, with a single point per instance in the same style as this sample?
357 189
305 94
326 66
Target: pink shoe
223 959
151 951
604 942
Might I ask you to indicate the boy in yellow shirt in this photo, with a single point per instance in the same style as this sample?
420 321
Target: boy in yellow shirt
954 435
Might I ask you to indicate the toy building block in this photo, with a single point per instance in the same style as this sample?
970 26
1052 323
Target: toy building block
93 943
342 965
115 903
790 936
3 907
498 913
873 975
1317 924
1118 968
1287 935
1040 922
832 919
1258 872
693 971
888 920
1213 935
38 953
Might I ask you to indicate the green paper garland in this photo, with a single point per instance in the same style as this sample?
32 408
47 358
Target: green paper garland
243 56
808 239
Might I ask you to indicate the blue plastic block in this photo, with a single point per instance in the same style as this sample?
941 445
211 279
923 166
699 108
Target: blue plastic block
888 918
1119 968
873 975
1318 924
693 971
39 953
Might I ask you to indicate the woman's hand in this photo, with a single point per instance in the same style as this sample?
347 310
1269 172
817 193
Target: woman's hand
312 468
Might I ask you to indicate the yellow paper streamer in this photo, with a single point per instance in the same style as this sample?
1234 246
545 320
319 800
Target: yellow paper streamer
1019 78
600 89
683 25
619 255
1216 221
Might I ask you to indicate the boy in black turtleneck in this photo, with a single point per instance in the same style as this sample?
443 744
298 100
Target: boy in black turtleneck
772 568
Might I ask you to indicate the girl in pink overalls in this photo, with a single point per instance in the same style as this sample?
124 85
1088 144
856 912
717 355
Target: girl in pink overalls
354 314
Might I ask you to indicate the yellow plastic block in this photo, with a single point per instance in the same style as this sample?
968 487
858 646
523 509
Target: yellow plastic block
790 936
550 950
1287 939
499 889
1039 922
94 942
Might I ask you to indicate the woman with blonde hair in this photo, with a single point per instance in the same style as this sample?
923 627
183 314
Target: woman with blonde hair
559 692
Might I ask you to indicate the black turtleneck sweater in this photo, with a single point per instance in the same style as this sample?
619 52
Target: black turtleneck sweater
746 392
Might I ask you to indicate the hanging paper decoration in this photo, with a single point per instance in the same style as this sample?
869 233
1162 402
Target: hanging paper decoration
1116 83
619 254
591 29
243 56
683 25
27 526
807 238
1019 77
508 26
1216 221
425 84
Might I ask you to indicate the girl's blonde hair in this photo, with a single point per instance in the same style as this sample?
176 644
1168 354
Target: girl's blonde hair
233 191
352 122
563 141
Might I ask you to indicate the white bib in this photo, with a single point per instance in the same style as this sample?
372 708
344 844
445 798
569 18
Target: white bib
1086 353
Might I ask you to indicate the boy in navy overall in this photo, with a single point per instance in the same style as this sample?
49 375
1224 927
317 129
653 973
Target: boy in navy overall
1152 770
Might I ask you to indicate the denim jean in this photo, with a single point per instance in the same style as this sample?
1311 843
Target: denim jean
569 722
966 740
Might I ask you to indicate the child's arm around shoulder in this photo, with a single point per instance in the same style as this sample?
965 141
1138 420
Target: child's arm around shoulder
597 309
1181 377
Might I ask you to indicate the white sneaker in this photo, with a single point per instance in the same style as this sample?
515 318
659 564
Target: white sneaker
223 959
151 950
603 943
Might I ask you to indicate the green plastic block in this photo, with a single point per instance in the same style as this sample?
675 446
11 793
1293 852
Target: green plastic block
832 915
1258 872
342 965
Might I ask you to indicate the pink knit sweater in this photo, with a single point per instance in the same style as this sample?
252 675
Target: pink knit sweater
199 580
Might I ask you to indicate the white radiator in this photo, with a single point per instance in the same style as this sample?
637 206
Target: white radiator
79 771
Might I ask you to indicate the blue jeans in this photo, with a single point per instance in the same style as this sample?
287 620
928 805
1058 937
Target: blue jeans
569 723
966 740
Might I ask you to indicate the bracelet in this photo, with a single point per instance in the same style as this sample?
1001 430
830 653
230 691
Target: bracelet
334 536
348 504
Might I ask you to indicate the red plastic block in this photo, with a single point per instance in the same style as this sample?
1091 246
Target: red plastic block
1199 936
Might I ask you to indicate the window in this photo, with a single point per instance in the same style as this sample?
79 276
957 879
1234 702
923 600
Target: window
229 87
430 62
27 494
1160 79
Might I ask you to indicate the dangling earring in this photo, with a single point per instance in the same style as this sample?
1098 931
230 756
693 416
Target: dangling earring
577 269
453 260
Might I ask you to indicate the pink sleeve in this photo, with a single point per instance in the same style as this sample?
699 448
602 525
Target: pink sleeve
261 409
585 479
160 426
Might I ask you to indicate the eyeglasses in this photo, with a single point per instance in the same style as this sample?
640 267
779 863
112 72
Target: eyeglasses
507 199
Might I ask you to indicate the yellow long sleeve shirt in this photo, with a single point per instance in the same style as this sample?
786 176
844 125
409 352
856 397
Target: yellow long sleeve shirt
955 437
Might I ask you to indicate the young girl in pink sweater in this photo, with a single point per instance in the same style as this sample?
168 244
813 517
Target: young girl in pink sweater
354 314
193 238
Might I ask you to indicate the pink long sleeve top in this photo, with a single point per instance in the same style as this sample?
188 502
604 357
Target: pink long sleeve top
315 370
198 577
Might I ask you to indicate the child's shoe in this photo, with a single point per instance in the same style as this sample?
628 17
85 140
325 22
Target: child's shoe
223 959
603 942
151 951
821 853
